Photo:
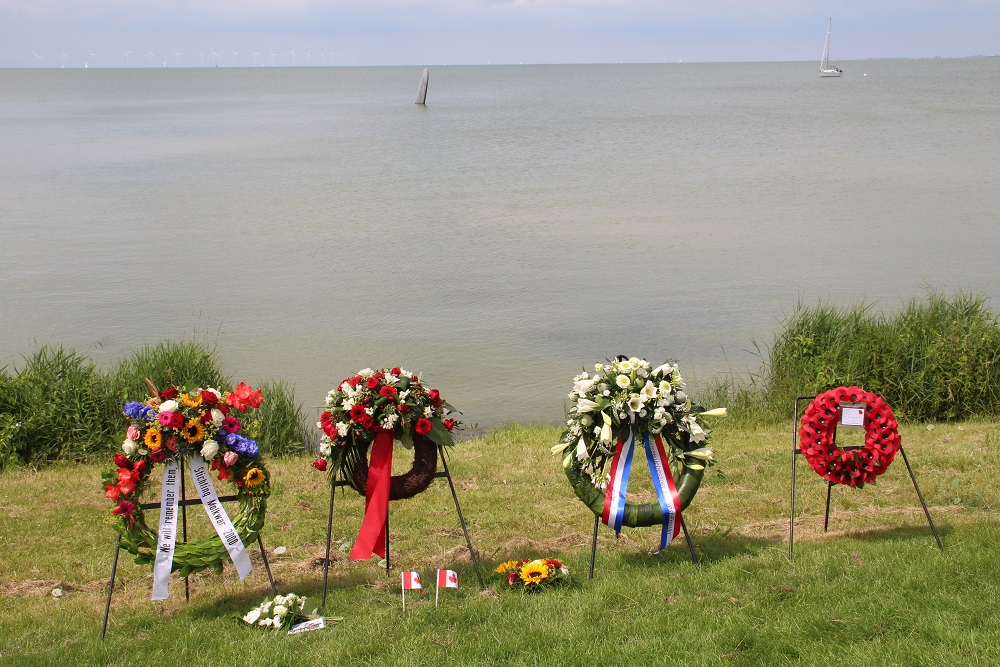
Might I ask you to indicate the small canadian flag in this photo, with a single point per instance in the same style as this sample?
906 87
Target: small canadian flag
411 582
447 579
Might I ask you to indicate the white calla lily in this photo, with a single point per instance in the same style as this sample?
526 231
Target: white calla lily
717 412
585 405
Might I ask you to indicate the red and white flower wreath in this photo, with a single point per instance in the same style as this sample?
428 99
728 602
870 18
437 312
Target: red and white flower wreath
853 467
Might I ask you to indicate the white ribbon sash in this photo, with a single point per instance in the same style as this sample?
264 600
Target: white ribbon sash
220 520
167 537
170 491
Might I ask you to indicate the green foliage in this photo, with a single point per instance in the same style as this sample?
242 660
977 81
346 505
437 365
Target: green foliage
57 407
935 360
279 425
188 363
60 407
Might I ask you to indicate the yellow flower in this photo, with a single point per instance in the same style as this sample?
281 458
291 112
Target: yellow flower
503 567
254 477
191 401
534 572
153 439
193 431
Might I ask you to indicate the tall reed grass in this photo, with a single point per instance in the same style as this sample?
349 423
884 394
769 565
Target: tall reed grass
937 359
59 406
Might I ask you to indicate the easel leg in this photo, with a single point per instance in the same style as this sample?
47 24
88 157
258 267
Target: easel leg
687 537
267 566
826 518
329 536
387 544
593 546
111 586
921 497
461 519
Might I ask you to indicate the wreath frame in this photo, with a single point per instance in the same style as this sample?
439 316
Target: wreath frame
636 515
628 395
151 440
854 466
401 487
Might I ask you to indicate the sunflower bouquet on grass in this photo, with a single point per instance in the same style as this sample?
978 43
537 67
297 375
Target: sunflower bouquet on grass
532 575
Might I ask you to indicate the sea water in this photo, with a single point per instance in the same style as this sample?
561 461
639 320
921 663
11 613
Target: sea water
527 222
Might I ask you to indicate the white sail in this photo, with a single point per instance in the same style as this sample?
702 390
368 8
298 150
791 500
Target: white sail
824 64
422 89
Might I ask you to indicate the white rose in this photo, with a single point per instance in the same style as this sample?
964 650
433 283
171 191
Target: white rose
209 450
168 406
264 621
280 610
252 617
130 447
217 416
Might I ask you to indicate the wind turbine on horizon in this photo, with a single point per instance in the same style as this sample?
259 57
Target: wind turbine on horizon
214 54
177 56
273 54
62 54
37 57
254 58
127 55
235 53
149 58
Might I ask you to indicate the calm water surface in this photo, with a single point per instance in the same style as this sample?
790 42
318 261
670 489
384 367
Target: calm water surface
526 223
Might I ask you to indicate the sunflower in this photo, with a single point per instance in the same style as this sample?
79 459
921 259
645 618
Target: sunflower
503 567
192 401
153 439
534 573
193 431
254 477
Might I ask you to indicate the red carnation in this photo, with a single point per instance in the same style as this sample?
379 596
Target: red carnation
169 393
320 464
354 381
387 391
157 455
423 426
358 412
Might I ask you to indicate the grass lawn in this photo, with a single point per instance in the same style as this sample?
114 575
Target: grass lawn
873 590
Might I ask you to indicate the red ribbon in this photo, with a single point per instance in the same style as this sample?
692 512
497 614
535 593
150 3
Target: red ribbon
371 536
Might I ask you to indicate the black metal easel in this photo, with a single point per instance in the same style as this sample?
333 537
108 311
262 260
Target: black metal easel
446 474
183 504
593 545
826 519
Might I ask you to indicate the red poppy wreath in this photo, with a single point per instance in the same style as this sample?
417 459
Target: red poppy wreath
853 467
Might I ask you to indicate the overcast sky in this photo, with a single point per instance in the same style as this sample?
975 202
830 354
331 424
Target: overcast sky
56 33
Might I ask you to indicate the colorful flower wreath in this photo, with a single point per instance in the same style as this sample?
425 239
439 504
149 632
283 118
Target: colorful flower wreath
853 467
628 394
388 399
532 575
171 425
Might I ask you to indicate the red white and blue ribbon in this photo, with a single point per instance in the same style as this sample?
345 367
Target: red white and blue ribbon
621 469
666 490
663 483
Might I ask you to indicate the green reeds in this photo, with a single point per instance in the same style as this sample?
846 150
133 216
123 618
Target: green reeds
60 407
935 360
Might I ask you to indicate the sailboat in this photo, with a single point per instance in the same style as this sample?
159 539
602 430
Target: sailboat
824 65
422 88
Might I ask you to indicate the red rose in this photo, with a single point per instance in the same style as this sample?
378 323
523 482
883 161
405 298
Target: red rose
397 371
368 422
205 417
449 424
139 465
372 382
423 426
171 443
176 420
169 393
122 461
354 381
402 407
435 397
320 464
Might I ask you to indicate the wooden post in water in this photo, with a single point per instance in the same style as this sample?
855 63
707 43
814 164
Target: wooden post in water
422 89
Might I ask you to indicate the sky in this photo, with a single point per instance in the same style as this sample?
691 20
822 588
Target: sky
186 33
